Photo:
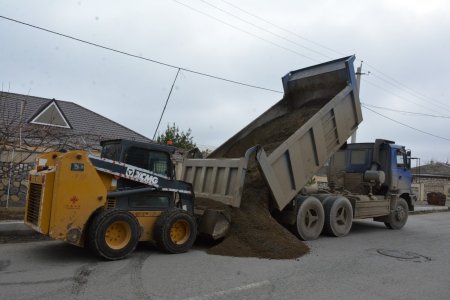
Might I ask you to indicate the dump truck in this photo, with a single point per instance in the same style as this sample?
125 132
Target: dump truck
322 109
130 193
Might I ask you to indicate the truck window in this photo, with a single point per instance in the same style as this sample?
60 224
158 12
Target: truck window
358 157
154 161
400 159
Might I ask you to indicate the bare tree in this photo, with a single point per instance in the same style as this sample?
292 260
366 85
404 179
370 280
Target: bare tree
18 136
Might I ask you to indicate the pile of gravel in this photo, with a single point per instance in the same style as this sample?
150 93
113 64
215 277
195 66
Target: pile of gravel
254 233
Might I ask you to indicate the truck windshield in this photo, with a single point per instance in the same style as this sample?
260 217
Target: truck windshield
111 151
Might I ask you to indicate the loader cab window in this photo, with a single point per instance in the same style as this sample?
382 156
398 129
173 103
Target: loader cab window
111 151
148 201
155 161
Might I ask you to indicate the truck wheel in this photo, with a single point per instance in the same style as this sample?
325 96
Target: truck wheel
398 217
113 234
338 216
310 218
175 231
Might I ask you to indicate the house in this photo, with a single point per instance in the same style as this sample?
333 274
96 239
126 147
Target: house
432 177
31 125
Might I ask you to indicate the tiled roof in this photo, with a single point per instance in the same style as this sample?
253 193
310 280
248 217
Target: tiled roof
441 169
82 120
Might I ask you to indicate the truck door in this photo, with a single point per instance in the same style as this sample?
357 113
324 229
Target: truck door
401 176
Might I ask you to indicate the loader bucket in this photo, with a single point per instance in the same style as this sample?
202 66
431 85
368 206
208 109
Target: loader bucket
315 85
214 224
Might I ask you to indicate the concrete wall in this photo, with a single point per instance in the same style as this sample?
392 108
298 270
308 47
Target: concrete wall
13 184
425 185
14 168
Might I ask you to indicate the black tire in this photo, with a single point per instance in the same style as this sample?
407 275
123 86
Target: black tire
175 231
338 216
113 234
398 216
310 218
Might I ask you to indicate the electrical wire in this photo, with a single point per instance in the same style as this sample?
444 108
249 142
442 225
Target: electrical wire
139 56
437 104
398 96
410 127
406 112
263 29
282 28
225 79
165 105
403 86
245 31
396 84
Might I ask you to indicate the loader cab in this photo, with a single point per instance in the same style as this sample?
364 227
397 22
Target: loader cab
155 158
152 157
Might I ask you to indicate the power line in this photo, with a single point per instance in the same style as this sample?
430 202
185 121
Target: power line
440 106
410 90
264 29
410 127
201 73
400 97
406 112
139 56
244 31
281 28
165 105
395 83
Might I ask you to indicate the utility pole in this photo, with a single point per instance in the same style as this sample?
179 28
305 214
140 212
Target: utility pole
358 84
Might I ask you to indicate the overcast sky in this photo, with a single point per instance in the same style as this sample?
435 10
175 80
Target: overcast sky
404 44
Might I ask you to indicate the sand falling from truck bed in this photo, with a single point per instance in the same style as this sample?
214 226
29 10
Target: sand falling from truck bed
254 233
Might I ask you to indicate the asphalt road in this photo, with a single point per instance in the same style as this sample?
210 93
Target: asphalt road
370 263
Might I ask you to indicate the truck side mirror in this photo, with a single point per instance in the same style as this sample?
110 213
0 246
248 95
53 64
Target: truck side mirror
408 159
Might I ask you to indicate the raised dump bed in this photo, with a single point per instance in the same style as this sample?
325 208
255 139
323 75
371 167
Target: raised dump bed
319 111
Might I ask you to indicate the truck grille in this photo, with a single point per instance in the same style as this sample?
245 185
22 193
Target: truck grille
34 203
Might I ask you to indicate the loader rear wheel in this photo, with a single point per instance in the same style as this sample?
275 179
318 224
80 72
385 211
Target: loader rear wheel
175 231
310 218
398 217
113 234
338 216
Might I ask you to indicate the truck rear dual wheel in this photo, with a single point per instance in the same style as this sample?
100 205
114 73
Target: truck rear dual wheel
338 216
398 216
175 231
113 234
310 218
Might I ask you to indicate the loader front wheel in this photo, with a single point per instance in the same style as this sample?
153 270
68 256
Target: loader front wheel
175 231
310 218
113 234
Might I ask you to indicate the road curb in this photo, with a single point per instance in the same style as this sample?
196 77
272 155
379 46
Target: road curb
429 209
